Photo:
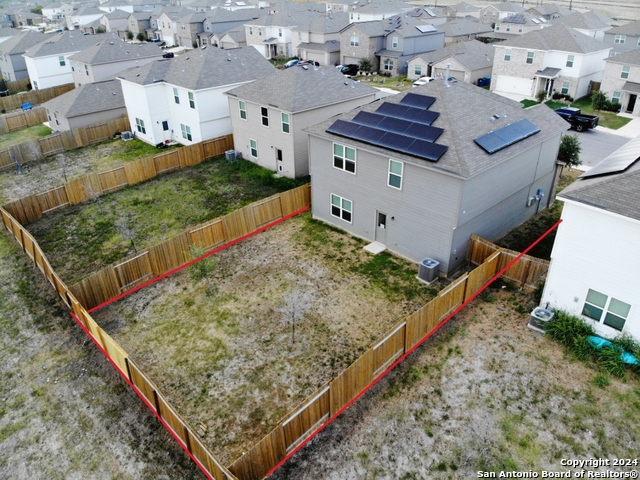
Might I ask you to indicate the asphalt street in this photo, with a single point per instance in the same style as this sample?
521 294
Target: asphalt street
597 145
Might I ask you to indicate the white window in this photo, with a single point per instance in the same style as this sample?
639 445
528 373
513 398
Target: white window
182 26
250 30
388 65
354 41
615 98
279 32
186 132
625 71
61 61
565 88
285 123
344 158
264 113
394 42
254 148
530 57
520 29
507 55
497 28
192 102
570 59
608 310
86 69
395 174
176 97
140 126
260 32
508 27
620 39
341 207
417 70
243 109
299 36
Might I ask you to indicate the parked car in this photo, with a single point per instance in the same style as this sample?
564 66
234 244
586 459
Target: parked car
452 80
291 63
423 81
577 119
167 55
349 70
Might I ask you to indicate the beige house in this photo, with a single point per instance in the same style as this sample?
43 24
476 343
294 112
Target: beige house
268 116
497 11
621 80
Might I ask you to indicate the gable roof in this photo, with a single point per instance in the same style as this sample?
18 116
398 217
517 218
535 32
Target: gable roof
88 98
582 21
632 57
203 68
332 23
632 29
463 158
457 27
464 7
289 89
507 7
117 14
373 28
472 54
558 37
23 41
618 192
115 50
66 42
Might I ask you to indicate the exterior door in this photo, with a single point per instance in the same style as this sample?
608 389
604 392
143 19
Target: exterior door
381 228
632 103
279 162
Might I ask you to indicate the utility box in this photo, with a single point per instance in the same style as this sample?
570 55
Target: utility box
539 319
428 270
230 154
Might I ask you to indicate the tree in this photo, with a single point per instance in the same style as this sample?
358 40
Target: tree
202 269
140 37
37 9
598 100
569 151
101 29
129 35
365 64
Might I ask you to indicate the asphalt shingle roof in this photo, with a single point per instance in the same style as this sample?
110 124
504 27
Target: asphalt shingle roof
200 69
22 42
631 29
89 98
582 21
472 54
559 37
464 158
463 26
109 51
66 42
632 57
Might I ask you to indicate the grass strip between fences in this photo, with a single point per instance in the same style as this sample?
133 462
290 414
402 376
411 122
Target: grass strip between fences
325 404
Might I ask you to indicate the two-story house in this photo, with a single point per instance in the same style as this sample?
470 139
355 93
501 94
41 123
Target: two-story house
182 98
219 21
421 171
82 16
268 116
623 38
556 58
586 23
319 38
188 28
48 62
362 40
139 22
461 10
167 23
621 80
12 63
272 34
108 57
549 11
518 24
462 30
498 11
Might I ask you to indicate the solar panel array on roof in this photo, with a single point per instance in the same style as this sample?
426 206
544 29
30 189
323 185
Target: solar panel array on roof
403 127
508 135
618 161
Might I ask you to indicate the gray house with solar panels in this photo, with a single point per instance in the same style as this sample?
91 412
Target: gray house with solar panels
418 172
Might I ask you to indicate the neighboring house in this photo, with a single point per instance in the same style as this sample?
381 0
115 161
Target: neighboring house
83 16
271 35
86 105
406 37
461 10
234 38
549 11
586 23
168 23
371 11
189 28
362 40
6 33
219 21
116 21
182 98
12 63
48 62
139 22
268 115
498 11
518 24
467 61
621 80
421 183
148 5
556 58
462 30
623 38
319 38
115 5
109 57
600 225
52 11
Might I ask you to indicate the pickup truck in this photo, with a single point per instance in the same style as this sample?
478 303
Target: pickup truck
577 119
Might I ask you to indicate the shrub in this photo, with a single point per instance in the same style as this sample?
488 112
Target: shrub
598 100
541 95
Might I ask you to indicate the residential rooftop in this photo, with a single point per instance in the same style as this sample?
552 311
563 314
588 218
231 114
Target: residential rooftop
89 98
559 37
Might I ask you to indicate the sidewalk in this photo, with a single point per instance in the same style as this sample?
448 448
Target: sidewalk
630 130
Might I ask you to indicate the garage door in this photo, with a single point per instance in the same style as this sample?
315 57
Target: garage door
520 86
457 74
350 61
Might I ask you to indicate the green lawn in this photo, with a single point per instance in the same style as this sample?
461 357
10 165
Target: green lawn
607 119
19 136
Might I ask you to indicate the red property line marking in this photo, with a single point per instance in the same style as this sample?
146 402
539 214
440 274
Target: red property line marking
188 264
143 398
382 375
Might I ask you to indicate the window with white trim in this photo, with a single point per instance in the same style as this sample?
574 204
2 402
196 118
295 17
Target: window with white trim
395 174
140 126
264 113
625 71
243 109
507 55
620 39
280 32
417 70
186 132
86 69
388 65
344 158
394 42
497 27
354 41
565 88
62 61
254 148
176 97
570 60
508 27
615 98
250 30
341 207
608 310
530 57
520 29
286 127
192 101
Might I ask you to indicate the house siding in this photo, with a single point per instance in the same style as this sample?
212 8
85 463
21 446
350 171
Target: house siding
587 237
612 82
367 48
96 117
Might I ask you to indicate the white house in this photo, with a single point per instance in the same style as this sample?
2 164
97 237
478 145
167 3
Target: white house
621 81
48 62
268 116
596 253
556 58
83 16
182 98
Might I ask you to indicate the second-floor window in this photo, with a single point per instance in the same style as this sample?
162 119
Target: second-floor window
280 32
243 109
250 30
86 70
264 113
625 71
286 127
176 97
354 41
530 57
620 39
344 158
507 55
61 61
395 174
508 27
570 59
394 42
192 102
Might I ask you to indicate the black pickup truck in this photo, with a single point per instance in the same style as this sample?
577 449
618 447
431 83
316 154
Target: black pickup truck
577 119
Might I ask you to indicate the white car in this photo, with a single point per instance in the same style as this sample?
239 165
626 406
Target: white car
423 81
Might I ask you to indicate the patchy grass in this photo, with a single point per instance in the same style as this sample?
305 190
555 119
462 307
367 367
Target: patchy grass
19 136
607 119
84 238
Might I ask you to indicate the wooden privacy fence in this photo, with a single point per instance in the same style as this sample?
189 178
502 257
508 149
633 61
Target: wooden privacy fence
154 399
33 97
111 281
59 142
527 272
22 119
16 86
93 185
